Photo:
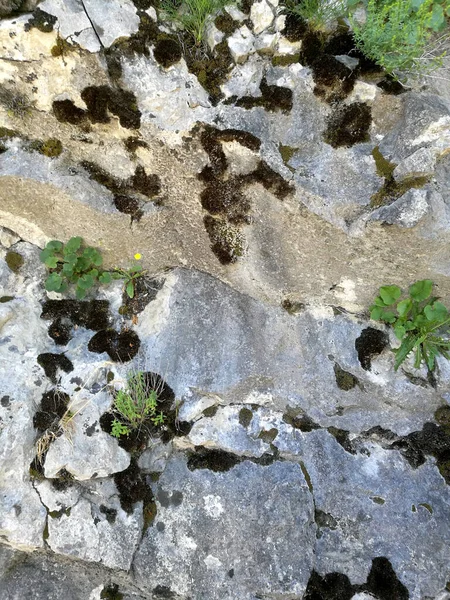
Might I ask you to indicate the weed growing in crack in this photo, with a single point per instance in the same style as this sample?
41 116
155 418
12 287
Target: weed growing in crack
419 321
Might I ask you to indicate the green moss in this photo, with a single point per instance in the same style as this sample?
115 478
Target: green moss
57 514
210 411
14 260
427 507
62 47
345 380
227 242
268 436
41 20
378 500
8 133
392 190
384 167
45 533
226 24
4 299
307 477
285 60
442 416
245 417
51 147
292 307
111 592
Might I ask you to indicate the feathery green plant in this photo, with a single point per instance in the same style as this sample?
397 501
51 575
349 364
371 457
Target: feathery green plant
192 15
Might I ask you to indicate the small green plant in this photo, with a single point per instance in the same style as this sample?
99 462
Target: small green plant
399 34
317 13
419 322
130 276
72 264
192 16
134 405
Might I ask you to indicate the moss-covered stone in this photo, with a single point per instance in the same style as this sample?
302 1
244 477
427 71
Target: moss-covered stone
51 147
14 260
285 60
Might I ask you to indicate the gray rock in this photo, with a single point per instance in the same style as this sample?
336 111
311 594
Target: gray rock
420 163
206 544
241 44
381 507
407 211
154 459
238 347
84 449
425 123
108 536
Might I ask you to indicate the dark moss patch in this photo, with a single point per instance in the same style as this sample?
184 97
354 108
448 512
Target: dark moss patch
342 437
312 47
41 20
132 487
60 331
348 125
51 363
292 306
211 71
52 407
3 148
137 43
442 416
227 242
93 314
218 461
345 380
342 42
271 180
299 421
245 417
324 520
167 52
246 139
15 102
14 260
433 440
65 111
210 412
120 347
132 143
4 299
268 436
370 343
163 592
295 27
111 592
217 160
148 185
122 103
124 190
389 85
110 513
226 198
226 24
51 147
334 81
273 98
145 291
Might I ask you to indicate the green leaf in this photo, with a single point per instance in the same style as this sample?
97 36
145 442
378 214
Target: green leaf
418 356
406 347
51 262
83 263
72 245
379 301
421 290
416 3
437 20
86 281
388 316
54 245
44 254
93 273
399 331
106 277
375 313
436 312
80 293
71 258
390 293
130 289
404 307
53 283
94 256
67 270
